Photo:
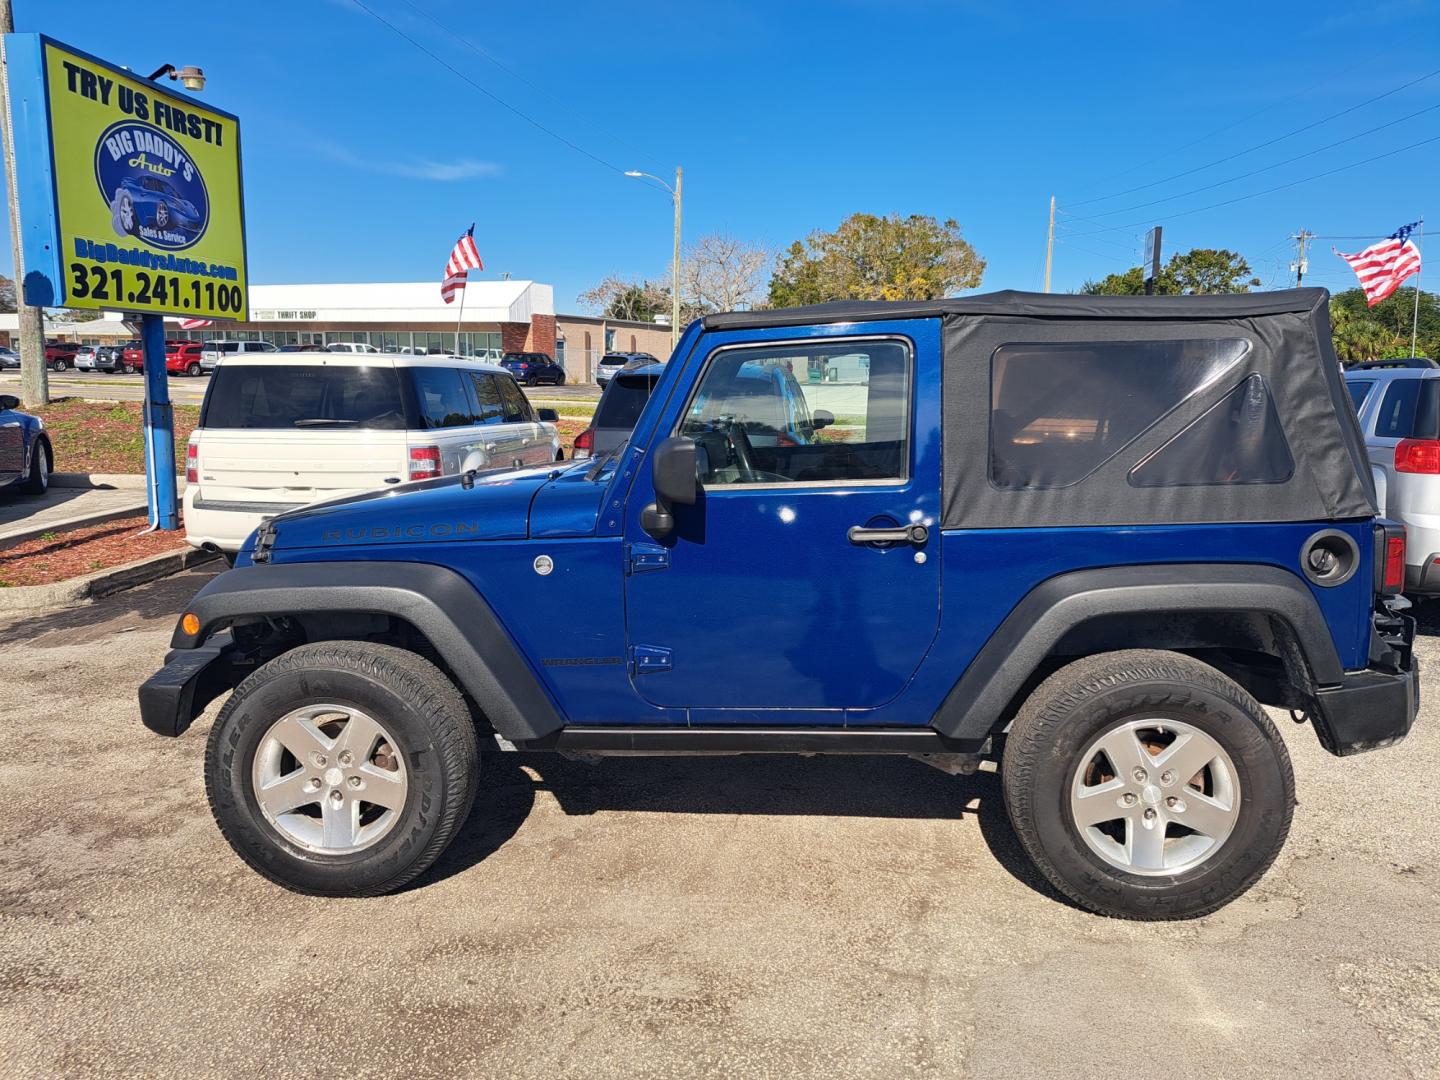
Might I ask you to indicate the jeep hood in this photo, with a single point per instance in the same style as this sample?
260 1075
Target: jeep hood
496 506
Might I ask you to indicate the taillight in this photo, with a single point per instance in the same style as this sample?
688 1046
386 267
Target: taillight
584 444
1389 557
1418 456
192 463
424 462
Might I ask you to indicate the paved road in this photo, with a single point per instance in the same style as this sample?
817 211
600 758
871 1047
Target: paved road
671 918
187 391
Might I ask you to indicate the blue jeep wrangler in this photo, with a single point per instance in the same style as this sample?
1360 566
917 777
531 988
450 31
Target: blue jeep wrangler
1087 537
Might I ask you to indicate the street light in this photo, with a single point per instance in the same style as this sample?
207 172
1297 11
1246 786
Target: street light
190 77
675 266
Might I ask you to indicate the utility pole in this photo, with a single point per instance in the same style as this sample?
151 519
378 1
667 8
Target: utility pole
1301 264
675 278
1050 243
34 383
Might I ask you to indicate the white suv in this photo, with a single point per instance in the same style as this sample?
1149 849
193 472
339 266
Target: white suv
277 433
351 347
212 352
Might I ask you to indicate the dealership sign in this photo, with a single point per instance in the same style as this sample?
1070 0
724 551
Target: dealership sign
130 194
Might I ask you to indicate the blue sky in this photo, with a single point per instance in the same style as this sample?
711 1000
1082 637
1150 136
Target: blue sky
365 157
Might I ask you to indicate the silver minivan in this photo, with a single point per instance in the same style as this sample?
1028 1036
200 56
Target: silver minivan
1398 402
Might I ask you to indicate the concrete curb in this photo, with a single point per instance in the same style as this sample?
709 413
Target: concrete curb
104 481
81 590
78 521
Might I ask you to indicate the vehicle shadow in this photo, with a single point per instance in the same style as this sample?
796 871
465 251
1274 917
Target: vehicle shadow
1427 617
836 786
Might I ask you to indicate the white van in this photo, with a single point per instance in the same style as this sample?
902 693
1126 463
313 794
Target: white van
278 432
212 352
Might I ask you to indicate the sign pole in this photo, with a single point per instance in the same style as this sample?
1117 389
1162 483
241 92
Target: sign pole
1415 319
159 421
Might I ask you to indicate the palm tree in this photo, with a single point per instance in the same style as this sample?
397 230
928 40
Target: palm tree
1356 337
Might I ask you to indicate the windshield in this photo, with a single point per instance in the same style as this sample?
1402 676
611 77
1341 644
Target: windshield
290 396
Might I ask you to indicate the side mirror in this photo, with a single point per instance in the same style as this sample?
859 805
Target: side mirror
673 473
9 401
547 416
821 418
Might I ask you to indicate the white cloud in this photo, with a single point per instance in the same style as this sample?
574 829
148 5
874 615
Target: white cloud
412 168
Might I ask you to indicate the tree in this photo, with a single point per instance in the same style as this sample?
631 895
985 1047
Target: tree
721 273
1355 336
1392 316
877 258
7 295
616 298
1199 270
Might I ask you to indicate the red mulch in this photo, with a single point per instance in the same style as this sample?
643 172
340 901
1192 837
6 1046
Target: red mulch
105 436
82 551
568 430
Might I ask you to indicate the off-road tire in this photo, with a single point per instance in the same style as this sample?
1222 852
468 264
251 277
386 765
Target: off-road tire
37 480
412 699
1072 708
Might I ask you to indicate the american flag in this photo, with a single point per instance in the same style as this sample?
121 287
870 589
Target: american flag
194 324
463 258
1382 267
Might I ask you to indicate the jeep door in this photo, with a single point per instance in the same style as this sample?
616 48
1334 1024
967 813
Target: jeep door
784 587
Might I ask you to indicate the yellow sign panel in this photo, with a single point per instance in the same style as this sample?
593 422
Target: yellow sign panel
148 194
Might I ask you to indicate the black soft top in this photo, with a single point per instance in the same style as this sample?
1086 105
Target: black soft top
1287 363
1033 305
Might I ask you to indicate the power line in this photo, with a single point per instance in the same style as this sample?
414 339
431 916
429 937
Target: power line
1268 191
1257 146
1257 172
493 97
1243 120
490 57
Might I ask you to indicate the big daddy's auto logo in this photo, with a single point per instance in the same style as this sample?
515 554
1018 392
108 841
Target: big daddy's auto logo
154 190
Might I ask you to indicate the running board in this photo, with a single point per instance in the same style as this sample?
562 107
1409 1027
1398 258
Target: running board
749 740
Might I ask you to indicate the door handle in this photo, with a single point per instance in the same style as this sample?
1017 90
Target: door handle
899 534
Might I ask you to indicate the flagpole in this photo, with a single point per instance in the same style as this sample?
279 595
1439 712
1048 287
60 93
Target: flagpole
1415 319
463 291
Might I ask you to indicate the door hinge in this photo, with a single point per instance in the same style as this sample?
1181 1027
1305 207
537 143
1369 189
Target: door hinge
646 557
648 659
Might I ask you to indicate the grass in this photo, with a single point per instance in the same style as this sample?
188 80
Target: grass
106 436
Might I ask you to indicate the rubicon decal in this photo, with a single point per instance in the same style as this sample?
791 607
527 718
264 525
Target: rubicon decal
153 188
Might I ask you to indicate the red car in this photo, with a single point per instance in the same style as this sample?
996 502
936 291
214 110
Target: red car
132 358
60 355
182 357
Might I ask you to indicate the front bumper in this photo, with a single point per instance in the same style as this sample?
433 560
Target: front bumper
191 679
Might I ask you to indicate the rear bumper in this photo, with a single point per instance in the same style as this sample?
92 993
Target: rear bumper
1375 707
191 679
225 526
1425 578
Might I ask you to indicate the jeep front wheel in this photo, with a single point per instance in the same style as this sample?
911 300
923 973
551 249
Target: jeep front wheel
1147 785
342 768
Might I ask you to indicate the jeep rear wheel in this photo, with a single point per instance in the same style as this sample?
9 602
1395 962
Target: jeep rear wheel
1147 785
342 768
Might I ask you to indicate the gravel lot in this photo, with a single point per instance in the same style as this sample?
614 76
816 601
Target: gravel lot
765 918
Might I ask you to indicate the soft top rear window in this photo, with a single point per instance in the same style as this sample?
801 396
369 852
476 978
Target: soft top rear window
299 396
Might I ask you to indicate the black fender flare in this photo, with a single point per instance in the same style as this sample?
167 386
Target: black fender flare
1060 604
437 601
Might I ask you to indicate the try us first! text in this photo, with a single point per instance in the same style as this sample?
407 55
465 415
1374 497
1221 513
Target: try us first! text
136 103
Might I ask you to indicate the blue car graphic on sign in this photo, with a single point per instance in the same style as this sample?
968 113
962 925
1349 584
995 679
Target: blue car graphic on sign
150 202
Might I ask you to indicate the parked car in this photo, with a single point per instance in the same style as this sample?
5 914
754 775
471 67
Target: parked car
26 458
533 368
212 352
60 355
132 357
1086 536
9 359
86 358
110 358
276 433
351 347
297 348
183 358
1398 403
612 362
620 406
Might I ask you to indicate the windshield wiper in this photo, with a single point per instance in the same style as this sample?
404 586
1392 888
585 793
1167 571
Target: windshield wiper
601 462
321 422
